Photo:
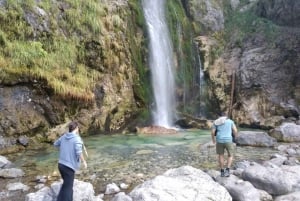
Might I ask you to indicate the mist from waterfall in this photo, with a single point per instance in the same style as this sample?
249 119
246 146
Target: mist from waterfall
161 62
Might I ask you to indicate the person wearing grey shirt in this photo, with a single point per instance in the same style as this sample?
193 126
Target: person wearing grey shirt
70 155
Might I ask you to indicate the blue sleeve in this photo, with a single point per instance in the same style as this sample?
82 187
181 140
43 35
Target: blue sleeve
57 142
78 147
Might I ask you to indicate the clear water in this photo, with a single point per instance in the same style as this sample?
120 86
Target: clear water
132 158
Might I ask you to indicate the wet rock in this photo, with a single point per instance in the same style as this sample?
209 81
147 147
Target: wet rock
180 184
155 130
254 138
11 173
142 152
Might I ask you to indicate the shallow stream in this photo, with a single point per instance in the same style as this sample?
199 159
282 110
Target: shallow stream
131 159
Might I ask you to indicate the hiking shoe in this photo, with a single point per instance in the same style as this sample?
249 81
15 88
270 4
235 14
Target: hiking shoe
222 173
227 172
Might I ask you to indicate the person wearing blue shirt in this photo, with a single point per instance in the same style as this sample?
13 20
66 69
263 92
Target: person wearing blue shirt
223 131
70 155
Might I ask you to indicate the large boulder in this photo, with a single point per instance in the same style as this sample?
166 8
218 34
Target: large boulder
273 179
82 191
287 132
255 138
239 189
185 183
289 197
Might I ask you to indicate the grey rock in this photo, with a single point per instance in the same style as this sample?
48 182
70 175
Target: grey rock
287 132
185 183
254 138
208 14
112 189
239 189
295 196
274 180
23 140
121 197
277 159
282 12
11 173
82 191
4 162
17 186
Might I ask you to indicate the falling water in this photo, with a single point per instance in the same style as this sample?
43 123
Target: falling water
161 62
201 82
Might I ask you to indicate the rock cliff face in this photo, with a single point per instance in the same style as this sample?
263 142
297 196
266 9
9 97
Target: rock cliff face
249 49
281 12
102 55
256 72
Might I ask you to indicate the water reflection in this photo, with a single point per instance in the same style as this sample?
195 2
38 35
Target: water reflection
133 158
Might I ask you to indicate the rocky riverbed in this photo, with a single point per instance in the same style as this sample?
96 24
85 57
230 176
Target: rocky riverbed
269 174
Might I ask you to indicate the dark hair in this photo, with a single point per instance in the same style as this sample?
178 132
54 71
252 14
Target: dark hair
221 114
72 126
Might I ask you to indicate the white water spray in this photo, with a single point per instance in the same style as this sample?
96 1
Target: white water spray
161 62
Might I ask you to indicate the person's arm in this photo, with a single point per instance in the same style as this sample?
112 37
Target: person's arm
234 130
79 147
213 137
83 161
57 142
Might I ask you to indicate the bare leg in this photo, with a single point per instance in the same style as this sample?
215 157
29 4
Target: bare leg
221 161
229 161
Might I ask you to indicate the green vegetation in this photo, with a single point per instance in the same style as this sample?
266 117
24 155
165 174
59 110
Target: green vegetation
182 33
47 42
242 25
142 86
55 56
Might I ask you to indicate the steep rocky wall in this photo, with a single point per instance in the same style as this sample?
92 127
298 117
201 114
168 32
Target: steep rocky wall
282 12
111 58
261 55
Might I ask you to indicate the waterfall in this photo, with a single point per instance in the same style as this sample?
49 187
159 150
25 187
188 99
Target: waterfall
161 62
201 82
